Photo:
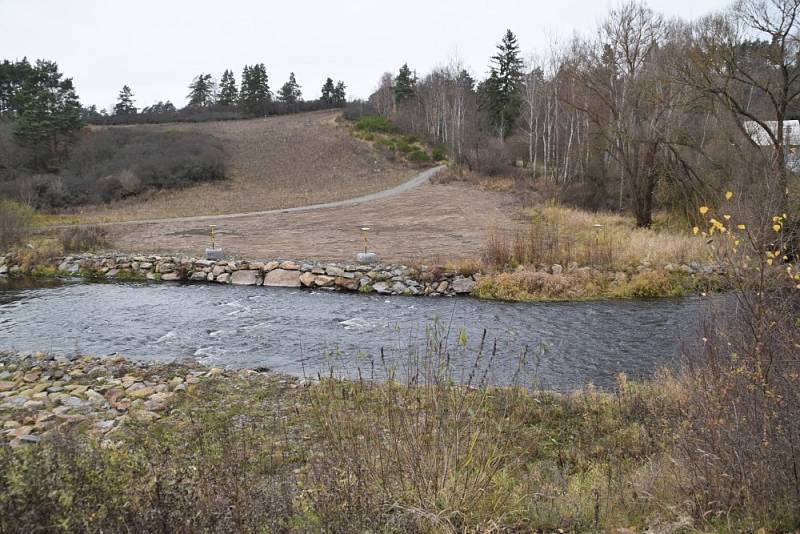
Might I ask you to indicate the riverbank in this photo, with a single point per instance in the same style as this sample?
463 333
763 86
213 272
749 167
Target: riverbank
545 283
107 444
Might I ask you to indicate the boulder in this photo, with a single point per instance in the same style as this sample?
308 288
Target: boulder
223 278
307 279
557 269
248 277
399 287
382 288
351 284
334 271
282 278
171 277
463 285
324 281
269 266
198 276
290 266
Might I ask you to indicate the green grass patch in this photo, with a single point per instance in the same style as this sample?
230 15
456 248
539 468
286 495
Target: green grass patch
44 271
374 123
418 156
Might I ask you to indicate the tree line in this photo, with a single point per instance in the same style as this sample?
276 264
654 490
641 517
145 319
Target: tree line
208 99
646 113
41 110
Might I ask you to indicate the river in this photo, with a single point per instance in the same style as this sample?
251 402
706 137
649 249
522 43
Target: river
565 345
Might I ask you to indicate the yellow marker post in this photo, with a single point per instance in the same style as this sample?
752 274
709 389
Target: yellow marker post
365 229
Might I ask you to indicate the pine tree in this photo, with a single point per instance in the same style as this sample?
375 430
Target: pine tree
328 91
12 77
502 89
201 91
339 97
228 93
404 85
48 110
254 93
125 101
290 91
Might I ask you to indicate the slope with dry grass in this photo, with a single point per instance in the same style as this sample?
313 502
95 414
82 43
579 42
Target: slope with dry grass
273 163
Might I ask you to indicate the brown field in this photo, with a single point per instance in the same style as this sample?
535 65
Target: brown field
273 163
433 223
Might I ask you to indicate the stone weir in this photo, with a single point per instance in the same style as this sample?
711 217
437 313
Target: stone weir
376 278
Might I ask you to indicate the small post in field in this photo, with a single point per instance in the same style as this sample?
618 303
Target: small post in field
366 256
213 253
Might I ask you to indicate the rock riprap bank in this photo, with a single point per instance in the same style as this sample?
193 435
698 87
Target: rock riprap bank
42 393
382 279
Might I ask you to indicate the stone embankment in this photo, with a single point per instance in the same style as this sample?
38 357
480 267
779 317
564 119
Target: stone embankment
41 393
382 279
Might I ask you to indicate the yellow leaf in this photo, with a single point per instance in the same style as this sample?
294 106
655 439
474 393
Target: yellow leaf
769 261
727 217
741 226
728 195
695 230
703 210
776 227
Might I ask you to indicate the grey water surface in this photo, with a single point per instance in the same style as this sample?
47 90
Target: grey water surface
566 345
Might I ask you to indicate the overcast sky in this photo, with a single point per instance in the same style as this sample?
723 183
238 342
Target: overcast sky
158 46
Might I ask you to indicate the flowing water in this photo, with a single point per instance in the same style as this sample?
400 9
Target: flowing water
306 332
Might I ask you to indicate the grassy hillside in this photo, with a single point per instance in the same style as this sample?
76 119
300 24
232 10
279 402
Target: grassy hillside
277 162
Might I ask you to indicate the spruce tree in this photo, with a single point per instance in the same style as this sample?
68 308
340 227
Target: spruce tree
201 91
328 91
254 93
290 91
125 101
502 89
404 85
228 93
339 97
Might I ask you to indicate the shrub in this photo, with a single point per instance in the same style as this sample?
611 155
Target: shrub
16 223
410 139
418 156
652 284
404 147
439 153
386 143
113 163
374 123
83 238
739 442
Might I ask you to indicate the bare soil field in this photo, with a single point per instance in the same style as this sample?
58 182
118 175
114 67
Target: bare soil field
273 163
431 223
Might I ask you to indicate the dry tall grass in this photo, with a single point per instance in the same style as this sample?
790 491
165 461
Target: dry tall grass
16 224
560 235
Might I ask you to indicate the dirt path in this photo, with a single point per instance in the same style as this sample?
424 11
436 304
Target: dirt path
416 181
433 223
